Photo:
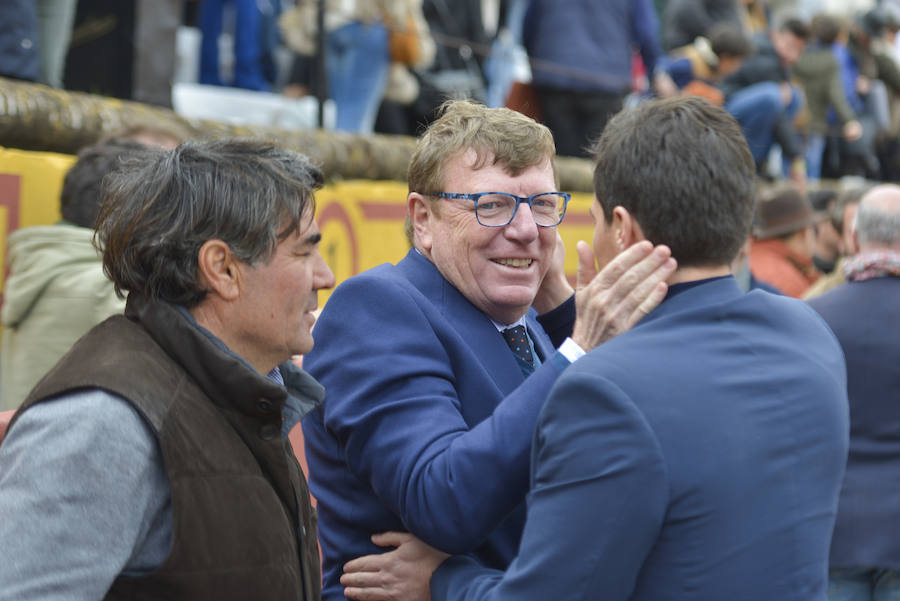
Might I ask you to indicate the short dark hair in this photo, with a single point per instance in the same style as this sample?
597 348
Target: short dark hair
795 26
850 196
159 211
727 40
79 201
822 199
825 28
682 168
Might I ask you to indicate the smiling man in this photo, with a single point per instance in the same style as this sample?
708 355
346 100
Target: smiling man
152 461
436 368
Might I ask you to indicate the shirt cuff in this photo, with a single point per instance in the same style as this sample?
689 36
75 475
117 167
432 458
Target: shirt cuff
570 350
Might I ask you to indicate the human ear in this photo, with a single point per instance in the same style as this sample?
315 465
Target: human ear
626 229
419 213
218 270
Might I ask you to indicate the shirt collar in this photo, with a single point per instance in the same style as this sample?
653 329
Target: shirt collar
303 392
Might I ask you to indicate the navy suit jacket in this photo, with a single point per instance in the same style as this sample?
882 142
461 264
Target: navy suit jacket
865 316
697 456
427 421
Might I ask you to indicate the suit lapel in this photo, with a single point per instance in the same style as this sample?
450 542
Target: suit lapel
541 341
476 330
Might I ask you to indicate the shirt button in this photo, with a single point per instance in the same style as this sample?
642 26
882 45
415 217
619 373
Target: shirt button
27 44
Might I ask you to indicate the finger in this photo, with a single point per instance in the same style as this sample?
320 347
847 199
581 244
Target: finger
648 294
366 594
362 579
587 267
366 563
636 262
639 289
391 539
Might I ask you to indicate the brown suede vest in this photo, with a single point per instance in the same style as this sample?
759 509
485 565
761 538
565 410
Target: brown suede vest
243 524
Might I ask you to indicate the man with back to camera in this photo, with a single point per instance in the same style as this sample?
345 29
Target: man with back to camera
864 314
429 413
697 456
151 462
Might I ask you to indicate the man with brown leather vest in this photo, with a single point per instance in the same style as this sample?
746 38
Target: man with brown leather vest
152 461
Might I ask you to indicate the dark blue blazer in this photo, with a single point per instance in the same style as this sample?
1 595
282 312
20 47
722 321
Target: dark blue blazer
865 316
427 421
698 456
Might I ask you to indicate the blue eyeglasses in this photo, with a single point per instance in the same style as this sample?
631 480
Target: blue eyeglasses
497 209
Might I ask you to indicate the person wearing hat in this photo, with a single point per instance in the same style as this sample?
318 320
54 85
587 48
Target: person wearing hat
783 242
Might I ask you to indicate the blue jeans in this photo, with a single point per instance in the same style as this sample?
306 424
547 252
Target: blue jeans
499 68
863 584
247 45
757 108
357 63
815 149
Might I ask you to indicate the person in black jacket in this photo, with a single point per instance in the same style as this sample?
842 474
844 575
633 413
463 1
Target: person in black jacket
763 100
684 20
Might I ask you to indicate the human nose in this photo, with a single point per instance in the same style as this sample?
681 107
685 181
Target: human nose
522 225
323 277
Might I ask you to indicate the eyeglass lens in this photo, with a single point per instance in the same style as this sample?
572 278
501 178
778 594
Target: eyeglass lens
498 209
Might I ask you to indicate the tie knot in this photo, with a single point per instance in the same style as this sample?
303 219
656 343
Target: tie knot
517 339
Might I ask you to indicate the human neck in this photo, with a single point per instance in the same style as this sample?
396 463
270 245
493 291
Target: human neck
692 274
211 319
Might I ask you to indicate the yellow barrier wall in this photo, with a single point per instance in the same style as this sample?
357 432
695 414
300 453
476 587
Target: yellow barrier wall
361 221
29 191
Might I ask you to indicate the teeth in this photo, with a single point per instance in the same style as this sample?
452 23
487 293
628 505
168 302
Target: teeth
514 262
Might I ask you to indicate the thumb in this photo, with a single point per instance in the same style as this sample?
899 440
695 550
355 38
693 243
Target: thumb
587 267
390 539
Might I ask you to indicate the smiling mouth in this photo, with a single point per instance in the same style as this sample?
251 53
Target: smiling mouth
514 262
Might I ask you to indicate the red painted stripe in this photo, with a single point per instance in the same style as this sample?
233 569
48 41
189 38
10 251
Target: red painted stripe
10 199
382 211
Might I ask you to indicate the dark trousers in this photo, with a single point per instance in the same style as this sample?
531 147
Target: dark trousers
577 118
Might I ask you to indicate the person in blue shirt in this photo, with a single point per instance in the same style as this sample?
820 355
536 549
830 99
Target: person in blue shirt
581 62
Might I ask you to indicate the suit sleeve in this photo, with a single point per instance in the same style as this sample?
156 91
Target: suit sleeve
559 322
597 504
644 28
392 405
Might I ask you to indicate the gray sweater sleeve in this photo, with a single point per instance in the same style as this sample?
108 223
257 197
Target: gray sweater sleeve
84 496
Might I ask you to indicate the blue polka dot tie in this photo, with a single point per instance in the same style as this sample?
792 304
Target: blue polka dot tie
517 339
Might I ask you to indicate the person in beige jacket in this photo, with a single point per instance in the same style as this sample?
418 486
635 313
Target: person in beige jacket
56 290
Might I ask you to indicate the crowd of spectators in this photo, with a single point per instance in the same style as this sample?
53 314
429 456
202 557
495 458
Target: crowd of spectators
813 83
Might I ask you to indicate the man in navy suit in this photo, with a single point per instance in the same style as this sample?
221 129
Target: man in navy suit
429 414
697 456
864 314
